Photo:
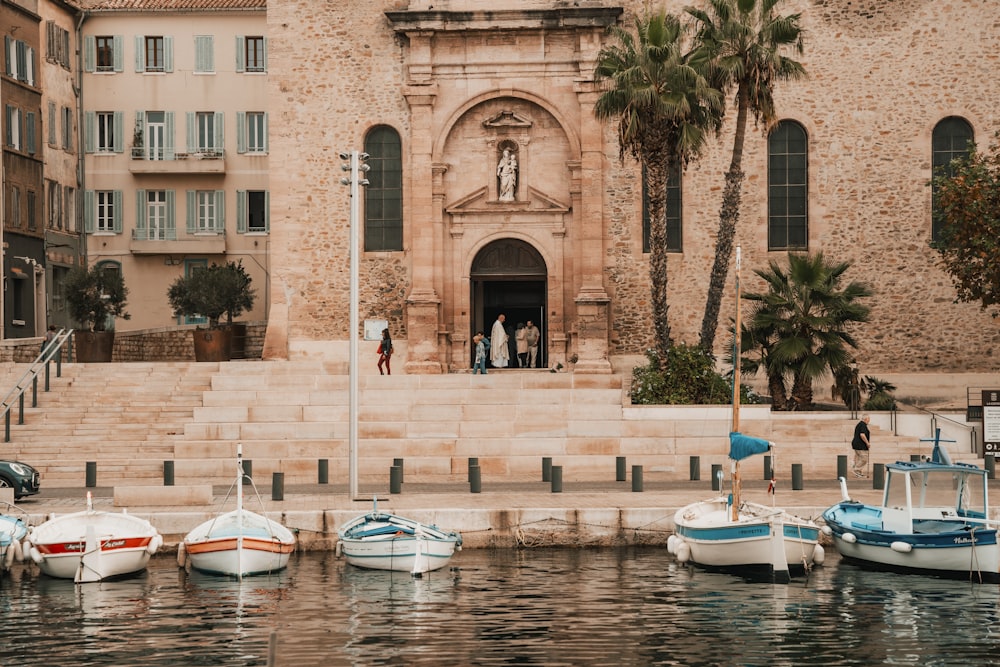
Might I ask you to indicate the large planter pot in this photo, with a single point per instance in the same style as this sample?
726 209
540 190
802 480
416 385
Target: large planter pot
238 344
211 344
94 346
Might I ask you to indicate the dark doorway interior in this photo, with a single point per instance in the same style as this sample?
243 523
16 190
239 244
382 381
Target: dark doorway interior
519 301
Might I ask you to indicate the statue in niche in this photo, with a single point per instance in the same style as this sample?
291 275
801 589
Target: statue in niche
507 174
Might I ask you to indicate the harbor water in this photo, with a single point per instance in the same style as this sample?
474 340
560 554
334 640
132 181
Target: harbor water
580 607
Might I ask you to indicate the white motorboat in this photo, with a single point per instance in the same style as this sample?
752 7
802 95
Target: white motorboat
238 543
731 533
933 518
383 541
93 545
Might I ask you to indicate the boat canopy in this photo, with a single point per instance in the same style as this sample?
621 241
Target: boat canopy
743 446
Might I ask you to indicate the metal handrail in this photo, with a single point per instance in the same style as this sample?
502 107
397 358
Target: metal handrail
30 379
934 420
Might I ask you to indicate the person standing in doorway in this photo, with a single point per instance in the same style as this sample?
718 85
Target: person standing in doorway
522 346
532 336
479 365
499 354
385 353
861 444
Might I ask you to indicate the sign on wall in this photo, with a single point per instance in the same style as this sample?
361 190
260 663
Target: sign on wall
991 420
373 329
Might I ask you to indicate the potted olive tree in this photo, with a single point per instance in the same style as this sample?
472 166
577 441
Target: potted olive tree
95 297
212 292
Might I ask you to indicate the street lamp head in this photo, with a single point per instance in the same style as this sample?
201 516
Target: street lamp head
345 181
345 156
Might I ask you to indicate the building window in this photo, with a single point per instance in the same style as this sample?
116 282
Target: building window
53 203
67 125
106 132
251 54
69 209
206 132
251 212
30 137
32 210
204 54
104 53
251 132
951 140
788 187
154 53
13 137
154 216
105 222
15 208
205 210
384 193
57 44
105 45
673 213
52 125
20 60
102 211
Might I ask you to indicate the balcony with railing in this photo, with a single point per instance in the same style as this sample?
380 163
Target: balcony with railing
164 161
146 241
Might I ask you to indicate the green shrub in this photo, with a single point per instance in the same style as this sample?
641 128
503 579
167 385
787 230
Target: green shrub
690 378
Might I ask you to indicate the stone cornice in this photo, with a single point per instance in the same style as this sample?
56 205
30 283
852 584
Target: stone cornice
513 19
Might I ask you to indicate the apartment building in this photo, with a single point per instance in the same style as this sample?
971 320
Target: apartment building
175 142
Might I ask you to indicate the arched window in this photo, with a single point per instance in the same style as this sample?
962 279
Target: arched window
788 187
951 139
675 200
384 192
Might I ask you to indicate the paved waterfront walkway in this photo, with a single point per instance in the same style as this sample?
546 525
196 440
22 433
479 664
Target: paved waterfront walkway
504 513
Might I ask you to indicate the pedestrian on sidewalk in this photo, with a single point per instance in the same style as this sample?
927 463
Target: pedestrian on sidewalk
481 345
861 444
385 353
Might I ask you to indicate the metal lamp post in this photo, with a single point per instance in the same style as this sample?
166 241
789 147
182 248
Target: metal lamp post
356 166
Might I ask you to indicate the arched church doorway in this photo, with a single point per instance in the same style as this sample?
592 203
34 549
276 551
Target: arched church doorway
508 276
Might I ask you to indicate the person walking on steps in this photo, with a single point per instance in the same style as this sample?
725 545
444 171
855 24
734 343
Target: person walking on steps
861 444
385 353
482 344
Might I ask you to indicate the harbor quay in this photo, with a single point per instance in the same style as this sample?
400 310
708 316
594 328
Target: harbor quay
504 514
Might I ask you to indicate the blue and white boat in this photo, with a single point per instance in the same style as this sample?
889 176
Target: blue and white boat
383 541
13 530
933 519
743 536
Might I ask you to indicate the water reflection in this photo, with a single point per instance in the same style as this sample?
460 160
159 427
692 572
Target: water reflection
585 607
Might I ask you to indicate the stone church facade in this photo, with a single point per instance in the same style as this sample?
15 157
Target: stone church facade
558 238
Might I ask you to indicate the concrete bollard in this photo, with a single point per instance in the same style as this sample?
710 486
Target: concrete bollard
91 474
796 477
556 479
619 468
475 479
395 479
473 463
399 462
546 468
277 486
168 473
695 468
878 476
324 471
636 479
716 474
841 465
990 462
768 470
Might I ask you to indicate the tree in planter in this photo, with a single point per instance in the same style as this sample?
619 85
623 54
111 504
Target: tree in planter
212 292
96 296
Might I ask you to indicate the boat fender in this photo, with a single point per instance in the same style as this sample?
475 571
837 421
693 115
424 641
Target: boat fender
901 547
819 554
36 555
458 547
8 555
338 550
827 530
672 544
181 555
683 552
850 538
154 544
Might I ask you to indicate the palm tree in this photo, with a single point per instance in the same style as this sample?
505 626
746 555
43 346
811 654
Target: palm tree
664 108
801 324
740 49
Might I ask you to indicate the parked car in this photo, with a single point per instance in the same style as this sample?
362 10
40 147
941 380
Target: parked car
19 476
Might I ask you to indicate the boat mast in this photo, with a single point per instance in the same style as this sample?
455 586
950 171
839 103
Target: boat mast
735 481
239 511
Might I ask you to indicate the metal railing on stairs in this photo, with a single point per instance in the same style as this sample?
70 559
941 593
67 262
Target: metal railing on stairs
53 351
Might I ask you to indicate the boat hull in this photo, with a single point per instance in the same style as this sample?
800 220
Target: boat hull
239 543
947 547
92 546
13 530
714 539
378 541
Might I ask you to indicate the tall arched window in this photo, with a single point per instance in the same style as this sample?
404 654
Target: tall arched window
950 140
384 192
788 187
675 200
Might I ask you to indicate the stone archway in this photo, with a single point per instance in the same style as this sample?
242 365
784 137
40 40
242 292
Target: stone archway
509 276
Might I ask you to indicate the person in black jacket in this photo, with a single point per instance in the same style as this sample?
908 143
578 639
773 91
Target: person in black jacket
385 353
861 445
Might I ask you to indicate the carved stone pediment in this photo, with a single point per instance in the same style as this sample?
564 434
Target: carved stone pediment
478 203
507 119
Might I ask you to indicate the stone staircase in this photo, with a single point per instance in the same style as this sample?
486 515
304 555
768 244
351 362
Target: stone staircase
131 417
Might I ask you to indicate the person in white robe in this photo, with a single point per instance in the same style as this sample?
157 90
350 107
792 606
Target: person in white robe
499 354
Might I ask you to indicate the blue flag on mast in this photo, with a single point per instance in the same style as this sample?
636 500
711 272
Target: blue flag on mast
742 446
